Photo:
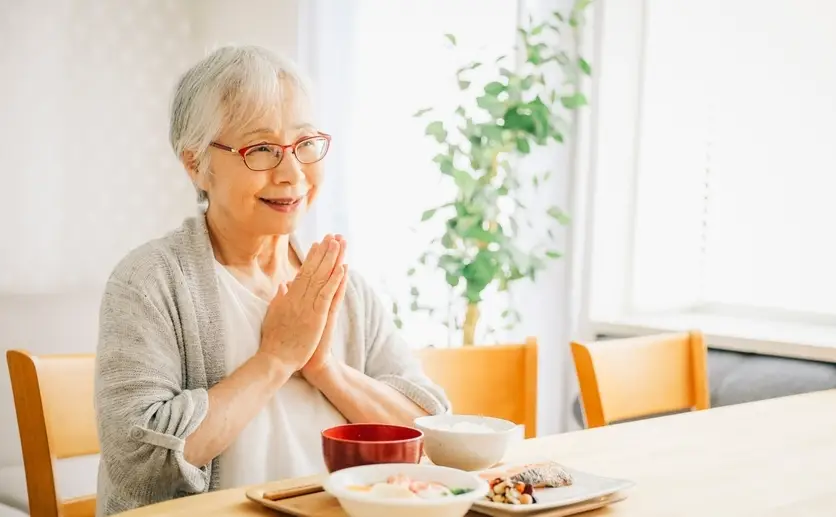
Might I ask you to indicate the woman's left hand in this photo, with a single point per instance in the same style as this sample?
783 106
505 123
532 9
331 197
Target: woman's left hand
322 356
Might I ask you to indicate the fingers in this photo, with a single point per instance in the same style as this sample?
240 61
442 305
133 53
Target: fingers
281 292
324 298
340 294
314 258
329 261
341 257
336 302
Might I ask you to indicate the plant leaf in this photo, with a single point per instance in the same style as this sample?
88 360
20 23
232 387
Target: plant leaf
463 85
445 163
584 66
428 214
464 181
559 215
436 129
451 39
582 4
421 112
494 88
553 254
576 100
491 104
523 146
492 133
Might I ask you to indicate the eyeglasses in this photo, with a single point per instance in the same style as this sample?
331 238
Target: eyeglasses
263 157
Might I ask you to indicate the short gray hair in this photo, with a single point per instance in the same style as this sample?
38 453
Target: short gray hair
230 86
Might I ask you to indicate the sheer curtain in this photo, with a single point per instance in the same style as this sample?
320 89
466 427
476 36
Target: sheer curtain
375 64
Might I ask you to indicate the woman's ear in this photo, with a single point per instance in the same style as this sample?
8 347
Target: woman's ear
190 162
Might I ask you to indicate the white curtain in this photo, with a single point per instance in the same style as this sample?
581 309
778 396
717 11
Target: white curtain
375 64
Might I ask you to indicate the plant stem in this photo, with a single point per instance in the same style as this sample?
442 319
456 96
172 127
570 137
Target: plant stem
470 320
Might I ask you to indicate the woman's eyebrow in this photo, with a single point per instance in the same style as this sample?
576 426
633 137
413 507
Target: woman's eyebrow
264 130
257 131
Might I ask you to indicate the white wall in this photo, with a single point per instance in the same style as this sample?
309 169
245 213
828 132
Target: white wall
89 173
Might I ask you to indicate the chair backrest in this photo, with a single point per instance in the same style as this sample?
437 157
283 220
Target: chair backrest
629 378
496 380
53 397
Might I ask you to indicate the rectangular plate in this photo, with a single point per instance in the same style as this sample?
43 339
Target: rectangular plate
585 487
563 511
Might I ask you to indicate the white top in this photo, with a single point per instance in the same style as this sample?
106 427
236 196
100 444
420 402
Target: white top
283 440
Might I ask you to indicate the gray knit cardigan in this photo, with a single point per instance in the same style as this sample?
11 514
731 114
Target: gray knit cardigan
161 347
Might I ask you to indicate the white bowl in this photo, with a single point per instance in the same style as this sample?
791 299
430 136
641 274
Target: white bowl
359 504
463 449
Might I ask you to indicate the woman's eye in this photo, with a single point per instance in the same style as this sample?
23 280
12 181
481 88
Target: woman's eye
262 149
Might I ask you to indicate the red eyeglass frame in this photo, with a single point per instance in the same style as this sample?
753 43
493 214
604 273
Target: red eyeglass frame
243 151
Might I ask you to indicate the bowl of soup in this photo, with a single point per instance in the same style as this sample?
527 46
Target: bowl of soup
353 445
405 490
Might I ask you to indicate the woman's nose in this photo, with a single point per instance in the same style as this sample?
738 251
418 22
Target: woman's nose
289 170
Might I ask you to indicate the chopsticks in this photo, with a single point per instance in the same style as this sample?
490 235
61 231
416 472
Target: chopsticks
297 491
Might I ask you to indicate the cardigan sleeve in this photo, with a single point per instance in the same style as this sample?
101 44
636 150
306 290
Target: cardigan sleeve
389 358
144 414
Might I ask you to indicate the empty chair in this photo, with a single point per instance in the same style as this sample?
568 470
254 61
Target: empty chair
498 380
53 397
622 379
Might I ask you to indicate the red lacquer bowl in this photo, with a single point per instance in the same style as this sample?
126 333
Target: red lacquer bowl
352 445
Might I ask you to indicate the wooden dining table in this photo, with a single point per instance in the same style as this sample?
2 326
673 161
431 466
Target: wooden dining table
768 458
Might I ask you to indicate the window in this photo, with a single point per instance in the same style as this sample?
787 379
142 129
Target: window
715 163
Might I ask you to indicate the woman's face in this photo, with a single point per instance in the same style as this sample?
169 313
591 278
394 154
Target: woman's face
265 202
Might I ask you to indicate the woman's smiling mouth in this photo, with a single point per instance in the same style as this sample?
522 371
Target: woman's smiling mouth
283 204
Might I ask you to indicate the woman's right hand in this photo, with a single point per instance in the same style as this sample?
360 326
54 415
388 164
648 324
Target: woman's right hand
297 315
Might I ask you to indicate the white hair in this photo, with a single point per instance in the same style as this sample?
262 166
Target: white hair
229 87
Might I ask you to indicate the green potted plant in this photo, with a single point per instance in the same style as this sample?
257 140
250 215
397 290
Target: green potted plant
479 150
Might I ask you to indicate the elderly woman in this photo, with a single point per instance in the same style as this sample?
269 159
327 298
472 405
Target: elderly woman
224 348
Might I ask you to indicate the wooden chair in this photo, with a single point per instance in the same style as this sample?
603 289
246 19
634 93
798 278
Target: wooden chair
53 397
622 379
497 380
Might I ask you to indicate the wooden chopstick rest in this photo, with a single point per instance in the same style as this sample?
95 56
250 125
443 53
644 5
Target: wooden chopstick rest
288 493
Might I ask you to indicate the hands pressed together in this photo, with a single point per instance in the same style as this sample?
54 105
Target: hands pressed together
300 321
